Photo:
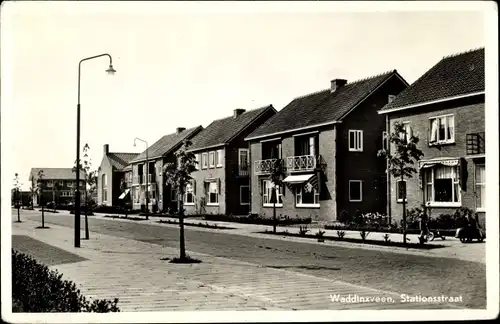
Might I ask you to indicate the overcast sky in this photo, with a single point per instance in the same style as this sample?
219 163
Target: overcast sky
181 66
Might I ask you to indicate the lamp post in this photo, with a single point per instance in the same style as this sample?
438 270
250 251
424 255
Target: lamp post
147 173
110 71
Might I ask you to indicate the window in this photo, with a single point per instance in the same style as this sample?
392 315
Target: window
189 195
243 158
136 196
355 190
213 193
442 186
219 158
104 188
197 159
408 132
173 194
306 196
69 184
271 150
442 129
385 141
391 98
50 184
267 190
401 190
480 179
211 159
306 145
204 160
356 140
244 195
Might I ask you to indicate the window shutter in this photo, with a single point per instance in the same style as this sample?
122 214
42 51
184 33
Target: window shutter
218 186
463 174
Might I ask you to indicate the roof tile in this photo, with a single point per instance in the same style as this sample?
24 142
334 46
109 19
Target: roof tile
56 173
454 75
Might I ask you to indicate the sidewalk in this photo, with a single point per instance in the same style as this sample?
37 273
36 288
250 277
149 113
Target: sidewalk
134 272
452 247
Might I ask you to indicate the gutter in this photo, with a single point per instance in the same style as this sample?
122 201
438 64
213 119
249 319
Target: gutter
426 103
294 130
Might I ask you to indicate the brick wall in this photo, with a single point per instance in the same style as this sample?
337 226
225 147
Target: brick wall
469 118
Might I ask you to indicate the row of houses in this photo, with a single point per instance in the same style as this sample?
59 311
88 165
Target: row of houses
328 141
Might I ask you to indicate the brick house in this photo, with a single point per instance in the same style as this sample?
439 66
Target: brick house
161 197
328 141
110 174
58 185
221 181
445 109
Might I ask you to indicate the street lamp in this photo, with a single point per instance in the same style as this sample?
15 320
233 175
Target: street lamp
147 173
110 71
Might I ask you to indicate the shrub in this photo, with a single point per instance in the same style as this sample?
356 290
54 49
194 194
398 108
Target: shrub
303 230
320 233
364 234
35 288
386 238
259 220
344 217
340 234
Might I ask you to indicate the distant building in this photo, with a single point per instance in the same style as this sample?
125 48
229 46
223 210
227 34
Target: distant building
110 174
58 184
445 108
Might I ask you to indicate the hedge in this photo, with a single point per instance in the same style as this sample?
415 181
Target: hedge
35 288
258 220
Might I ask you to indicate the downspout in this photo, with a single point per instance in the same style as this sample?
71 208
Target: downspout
388 174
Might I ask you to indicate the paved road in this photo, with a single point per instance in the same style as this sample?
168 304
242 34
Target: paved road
410 274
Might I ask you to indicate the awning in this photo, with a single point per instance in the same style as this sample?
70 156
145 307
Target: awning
124 194
440 161
294 179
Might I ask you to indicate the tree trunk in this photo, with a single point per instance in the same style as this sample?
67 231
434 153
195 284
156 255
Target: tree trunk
43 217
274 211
18 214
54 200
181 228
404 212
86 212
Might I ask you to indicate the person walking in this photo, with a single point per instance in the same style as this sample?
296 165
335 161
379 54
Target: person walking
424 227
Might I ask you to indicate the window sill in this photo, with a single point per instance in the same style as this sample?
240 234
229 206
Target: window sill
361 200
444 204
188 204
354 150
271 205
481 210
400 201
441 143
219 165
213 204
307 205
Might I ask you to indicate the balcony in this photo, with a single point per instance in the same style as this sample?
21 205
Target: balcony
475 143
302 163
263 167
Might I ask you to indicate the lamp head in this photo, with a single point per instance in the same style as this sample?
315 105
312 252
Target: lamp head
110 70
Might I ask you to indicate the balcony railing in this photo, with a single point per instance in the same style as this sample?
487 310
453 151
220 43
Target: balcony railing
475 143
264 166
302 163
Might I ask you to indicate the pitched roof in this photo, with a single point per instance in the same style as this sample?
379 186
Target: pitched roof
454 75
321 107
221 131
167 143
56 173
120 160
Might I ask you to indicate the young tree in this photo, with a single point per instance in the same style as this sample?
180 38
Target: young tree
33 191
85 165
40 187
55 193
178 176
277 172
17 196
401 162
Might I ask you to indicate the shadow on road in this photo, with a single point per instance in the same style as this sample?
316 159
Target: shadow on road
305 267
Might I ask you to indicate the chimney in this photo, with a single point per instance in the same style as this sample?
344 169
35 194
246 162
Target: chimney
106 149
179 130
238 112
337 84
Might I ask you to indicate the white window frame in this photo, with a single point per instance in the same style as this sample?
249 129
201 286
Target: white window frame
239 156
434 203
479 184
211 159
204 160
358 140
189 189
248 190
298 196
446 140
399 199
408 132
197 165
266 195
360 190
50 184
219 158
208 193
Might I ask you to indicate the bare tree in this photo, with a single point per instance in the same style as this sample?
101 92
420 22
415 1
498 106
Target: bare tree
277 173
401 162
40 188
